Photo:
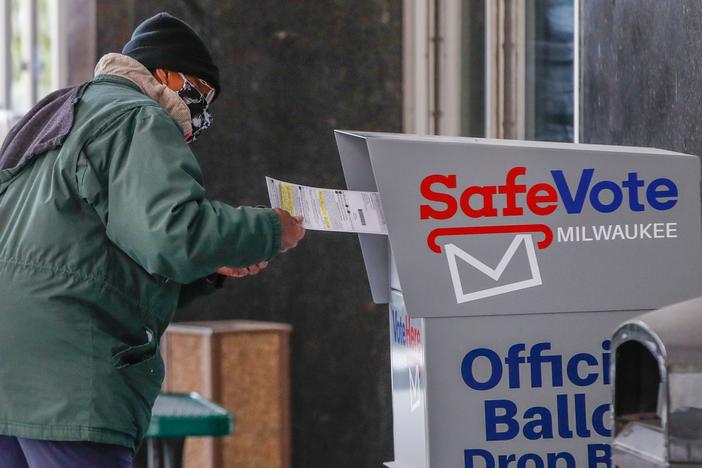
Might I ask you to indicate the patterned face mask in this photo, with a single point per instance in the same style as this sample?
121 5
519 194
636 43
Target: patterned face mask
198 104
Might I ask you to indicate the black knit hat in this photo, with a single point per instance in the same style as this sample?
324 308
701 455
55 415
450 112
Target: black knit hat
164 41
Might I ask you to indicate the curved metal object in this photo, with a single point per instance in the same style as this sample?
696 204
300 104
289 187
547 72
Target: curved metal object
657 388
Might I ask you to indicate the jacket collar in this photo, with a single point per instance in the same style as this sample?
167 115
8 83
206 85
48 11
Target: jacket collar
126 67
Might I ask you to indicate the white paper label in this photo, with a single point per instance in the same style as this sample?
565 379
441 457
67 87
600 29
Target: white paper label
329 209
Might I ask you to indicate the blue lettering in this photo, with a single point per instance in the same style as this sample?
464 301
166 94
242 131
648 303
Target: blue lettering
538 462
553 459
513 360
598 420
495 366
595 196
541 428
573 375
483 458
661 193
606 361
535 359
599 454
632 184
573 204
398 328
492 420
469 455
581 416
564 430
653 195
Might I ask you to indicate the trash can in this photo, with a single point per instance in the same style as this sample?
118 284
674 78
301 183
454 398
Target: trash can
657 391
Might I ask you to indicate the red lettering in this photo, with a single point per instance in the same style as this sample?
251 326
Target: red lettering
511 190
540 199
426 211
487 209
413 335
534 199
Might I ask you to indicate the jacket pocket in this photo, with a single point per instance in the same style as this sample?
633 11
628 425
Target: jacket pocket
136 373
125 355
145 377
143 384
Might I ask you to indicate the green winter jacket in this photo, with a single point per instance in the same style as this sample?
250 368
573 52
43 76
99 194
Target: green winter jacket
97 239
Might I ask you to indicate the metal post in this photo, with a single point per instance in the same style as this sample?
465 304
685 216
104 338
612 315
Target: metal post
436 48
576 71
5 54
150 454
34 65
172 451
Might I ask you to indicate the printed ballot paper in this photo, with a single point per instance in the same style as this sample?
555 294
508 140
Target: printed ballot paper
329 209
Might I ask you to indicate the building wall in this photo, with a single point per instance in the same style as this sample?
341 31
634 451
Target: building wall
292 72
642 73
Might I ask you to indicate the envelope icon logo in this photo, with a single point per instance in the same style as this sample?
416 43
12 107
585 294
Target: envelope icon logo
454 253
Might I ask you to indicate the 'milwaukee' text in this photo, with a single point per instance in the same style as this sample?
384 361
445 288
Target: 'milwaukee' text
612 232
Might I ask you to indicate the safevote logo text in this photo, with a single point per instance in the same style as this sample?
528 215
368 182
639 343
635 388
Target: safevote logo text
513 198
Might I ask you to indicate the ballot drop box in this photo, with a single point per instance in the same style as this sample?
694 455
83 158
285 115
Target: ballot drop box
506 267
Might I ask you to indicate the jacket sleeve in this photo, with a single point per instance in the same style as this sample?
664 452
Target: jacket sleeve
155 205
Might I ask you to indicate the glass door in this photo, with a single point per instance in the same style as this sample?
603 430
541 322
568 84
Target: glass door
549 77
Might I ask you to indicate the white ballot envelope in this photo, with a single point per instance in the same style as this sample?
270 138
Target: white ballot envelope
453 253
329 209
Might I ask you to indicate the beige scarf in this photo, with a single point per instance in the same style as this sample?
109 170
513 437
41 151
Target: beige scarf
126 67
